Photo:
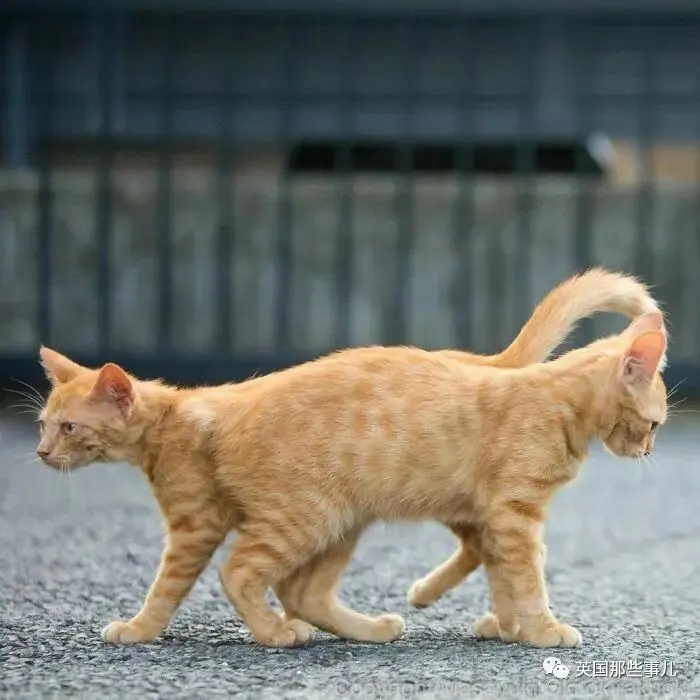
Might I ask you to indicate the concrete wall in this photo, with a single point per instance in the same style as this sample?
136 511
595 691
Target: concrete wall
436 288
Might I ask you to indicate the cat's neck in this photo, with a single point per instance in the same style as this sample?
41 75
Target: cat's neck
166 416
149 423
578 386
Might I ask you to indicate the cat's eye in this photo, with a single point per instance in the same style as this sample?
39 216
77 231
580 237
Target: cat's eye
68 427
41 425
654 426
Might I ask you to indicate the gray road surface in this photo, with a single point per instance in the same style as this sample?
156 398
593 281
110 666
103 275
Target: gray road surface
623 568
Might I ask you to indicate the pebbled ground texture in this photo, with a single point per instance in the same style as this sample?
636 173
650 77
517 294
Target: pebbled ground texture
623 567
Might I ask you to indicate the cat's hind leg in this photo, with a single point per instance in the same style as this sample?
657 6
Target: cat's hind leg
264 554
450 573
311 594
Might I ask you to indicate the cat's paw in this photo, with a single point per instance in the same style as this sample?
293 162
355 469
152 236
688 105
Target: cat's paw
388 628
121 632
291 633
420 594
301 624
486 627
556 635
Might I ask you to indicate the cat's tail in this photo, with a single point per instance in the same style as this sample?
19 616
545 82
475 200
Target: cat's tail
556 316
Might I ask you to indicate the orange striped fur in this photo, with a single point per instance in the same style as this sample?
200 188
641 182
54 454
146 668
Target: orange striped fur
300 462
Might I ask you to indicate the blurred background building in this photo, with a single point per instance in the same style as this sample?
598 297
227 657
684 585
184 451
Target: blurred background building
204 188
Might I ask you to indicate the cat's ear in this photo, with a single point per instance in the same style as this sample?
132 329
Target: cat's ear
58 368
653 321
114 386
644 357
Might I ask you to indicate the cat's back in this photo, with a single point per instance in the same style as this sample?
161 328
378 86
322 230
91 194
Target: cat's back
371 374
356 422
344 389
359 377
360 395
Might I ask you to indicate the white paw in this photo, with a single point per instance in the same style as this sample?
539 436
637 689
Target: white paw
121 632
389 627
419 595
486 627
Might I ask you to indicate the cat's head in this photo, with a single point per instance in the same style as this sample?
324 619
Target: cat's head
636 398
87 414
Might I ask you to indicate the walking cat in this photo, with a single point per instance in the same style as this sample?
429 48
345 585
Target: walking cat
300 462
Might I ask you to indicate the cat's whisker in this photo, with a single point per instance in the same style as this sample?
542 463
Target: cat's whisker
24 401
653 462
33 400
65 474
642 463
24 395
682 411
27 412
41 398
677 403
70 487
30 407
22 459
674 389
638 469
650 464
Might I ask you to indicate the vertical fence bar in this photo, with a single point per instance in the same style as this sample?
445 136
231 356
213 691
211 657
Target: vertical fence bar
285 213
16 132
525 168
397 322
690 297
225 245
119 42
103 25
165 185
584 212
646 104
465 209
46 93
343 166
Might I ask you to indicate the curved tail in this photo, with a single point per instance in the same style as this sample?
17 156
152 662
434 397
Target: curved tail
560 311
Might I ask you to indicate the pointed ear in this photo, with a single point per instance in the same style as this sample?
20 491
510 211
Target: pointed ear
58 368
114 386
644 357
653 321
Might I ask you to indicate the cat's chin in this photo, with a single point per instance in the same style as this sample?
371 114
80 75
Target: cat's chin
619 453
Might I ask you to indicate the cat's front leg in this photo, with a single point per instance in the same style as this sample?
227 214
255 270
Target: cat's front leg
190 544
500 622
513 557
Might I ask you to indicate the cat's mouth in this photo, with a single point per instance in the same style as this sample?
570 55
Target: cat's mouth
63 465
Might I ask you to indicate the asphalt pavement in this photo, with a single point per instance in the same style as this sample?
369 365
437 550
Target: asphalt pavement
623 567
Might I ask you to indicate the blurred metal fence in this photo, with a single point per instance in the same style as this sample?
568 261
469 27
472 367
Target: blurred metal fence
80 89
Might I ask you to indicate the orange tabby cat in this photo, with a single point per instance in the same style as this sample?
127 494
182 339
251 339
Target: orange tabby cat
301 461
553 319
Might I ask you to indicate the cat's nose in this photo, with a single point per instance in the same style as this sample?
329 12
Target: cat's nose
647 453
43 453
